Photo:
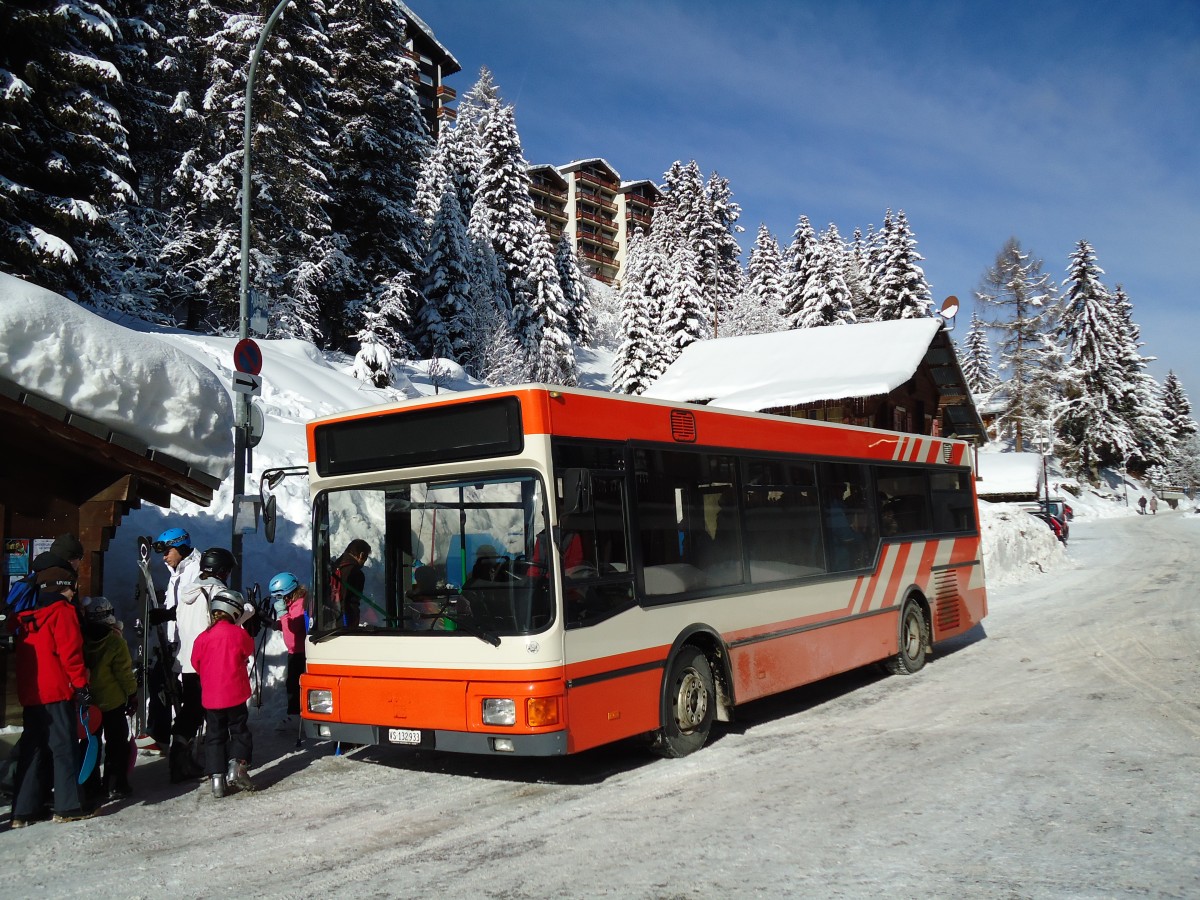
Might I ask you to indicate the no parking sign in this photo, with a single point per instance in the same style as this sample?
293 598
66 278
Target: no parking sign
247 357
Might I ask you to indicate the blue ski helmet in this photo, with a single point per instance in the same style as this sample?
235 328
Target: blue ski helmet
173 537
283 584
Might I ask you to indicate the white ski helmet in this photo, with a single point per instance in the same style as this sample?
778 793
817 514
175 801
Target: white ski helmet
228 601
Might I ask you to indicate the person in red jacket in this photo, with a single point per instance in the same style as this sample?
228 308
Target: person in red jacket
51 678
219 656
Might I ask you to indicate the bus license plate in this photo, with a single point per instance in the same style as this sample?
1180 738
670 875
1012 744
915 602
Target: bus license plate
404 735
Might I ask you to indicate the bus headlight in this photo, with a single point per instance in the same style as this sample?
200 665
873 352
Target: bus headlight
499 711
321 702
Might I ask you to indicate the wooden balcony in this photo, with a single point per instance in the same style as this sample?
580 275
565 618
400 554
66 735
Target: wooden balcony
596 198
641 218
445 93
599 240
603 221
550 210
547 189
447 112
591 178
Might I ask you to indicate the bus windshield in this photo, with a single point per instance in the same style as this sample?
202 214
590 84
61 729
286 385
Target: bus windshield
442 557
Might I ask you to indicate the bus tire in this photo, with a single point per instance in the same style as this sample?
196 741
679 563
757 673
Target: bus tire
689 702
914 638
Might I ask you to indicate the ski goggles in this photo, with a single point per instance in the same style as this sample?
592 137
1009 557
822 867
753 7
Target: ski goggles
161 547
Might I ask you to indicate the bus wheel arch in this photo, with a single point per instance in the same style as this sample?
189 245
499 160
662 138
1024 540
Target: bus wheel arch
915 637
695 693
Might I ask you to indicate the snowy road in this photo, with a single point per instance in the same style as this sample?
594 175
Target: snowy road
1055 755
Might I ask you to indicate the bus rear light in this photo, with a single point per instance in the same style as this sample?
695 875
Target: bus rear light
499 711
541 711
320 702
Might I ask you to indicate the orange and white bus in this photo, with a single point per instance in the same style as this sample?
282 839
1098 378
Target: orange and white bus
552 569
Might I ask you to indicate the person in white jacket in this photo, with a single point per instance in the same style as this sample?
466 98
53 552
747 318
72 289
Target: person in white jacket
183 565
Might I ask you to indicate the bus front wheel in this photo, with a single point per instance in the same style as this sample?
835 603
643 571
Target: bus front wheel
688 704
914 638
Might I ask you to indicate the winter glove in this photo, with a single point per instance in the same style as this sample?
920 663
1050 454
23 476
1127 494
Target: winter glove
158 615
83 696
131 705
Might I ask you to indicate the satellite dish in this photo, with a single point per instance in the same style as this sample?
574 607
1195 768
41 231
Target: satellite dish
949 307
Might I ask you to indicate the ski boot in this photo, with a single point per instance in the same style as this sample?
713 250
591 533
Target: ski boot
218 786
238 777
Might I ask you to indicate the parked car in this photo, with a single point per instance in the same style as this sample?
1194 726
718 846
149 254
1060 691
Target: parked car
1061 508
1057 510
1051 521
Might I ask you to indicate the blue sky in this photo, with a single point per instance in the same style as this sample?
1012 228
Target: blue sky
1050 121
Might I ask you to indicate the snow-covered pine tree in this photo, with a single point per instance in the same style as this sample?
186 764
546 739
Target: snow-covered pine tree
548 345
720 256
1092 425
64 157
295 258
1177 409
797 268
858 278
682 219
503 211
575 295
1022 296
447 283
755 309
826 299
1143 404
977 359
903 292
380 140
640 344
684 311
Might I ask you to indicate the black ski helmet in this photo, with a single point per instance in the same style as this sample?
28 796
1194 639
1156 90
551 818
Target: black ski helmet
216 561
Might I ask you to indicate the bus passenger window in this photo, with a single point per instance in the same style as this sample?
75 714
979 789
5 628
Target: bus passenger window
851 529
783 521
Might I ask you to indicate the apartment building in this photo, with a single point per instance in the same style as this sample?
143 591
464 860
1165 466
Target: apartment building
588 200
434 64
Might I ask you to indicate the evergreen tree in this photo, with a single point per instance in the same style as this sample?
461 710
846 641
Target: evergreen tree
858 278
717 247
503 211
547 345
977 359
683 322
380 140
826 299
903 292
1023 297
1178 410
797 268
756 307
64 157
1093 425
448 283
574 289
295 259
639 348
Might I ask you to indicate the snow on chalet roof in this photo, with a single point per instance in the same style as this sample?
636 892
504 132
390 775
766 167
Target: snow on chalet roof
765 371
130 382
1008 474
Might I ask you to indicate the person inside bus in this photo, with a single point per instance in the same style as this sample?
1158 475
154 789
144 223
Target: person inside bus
490 567
423 600
348 582
842 536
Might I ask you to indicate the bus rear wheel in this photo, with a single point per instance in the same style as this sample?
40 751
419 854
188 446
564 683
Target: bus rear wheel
914 638
688 705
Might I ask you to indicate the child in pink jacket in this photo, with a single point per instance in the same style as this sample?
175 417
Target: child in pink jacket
219 657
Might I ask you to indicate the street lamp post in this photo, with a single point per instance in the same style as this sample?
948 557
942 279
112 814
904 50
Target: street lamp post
1044 444
242 401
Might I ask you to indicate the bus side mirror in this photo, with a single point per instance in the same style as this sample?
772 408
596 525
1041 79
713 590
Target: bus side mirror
577 492
269 519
